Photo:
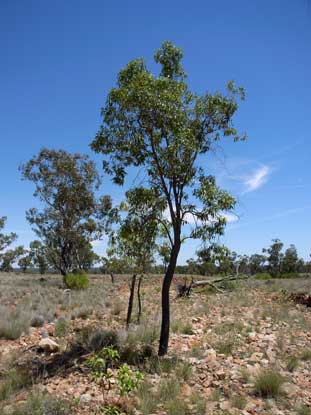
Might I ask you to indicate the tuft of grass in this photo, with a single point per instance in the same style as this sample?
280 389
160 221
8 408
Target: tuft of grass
225 345
238 402
245 375
42 405
216 395
180 327
177 407
183 371
268 384
303 410
15 380
13 323
292 363
198 403
168 390
61 327
147 402
197 351
306 355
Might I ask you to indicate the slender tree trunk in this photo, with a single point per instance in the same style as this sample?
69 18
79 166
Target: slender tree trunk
165 326
112 277
139 298
131 300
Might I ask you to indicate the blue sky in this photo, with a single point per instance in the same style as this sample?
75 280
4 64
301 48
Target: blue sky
59 59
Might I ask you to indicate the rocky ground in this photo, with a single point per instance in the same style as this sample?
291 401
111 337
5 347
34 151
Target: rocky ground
244 351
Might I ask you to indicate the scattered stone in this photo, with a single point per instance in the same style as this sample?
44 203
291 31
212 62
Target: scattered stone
48 345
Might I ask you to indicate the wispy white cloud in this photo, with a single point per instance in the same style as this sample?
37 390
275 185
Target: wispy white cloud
257 178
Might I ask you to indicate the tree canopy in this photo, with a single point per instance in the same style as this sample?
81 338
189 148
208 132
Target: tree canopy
156 123
72 216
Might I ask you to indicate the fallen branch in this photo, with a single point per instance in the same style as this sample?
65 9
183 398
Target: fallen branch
225 279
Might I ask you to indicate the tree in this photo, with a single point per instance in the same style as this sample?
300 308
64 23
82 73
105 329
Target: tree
72 217
290 261
5 241
157 124
274 257
136 236
38 255
256 263
25 261
10 257
164 251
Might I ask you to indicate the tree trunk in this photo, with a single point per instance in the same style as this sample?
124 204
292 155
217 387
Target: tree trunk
139 298
165 326
131 299
112 277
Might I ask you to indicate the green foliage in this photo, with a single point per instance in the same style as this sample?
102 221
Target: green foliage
6 259
263 276
25 262
292 363
306 355
5 240
268 383
156 124
111 410
9 257
135 239
38 255
290 261
274 257
128 380
76 281
71 216
100 363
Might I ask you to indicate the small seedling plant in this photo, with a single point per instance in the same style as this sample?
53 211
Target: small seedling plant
128 380
101 365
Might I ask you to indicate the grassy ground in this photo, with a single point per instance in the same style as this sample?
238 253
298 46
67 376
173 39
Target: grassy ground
244 351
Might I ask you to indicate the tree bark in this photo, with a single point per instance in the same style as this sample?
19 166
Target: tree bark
165 326
131 300
112 277
139 298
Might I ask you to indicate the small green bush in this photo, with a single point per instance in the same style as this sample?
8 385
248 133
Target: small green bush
128 380
263 276
268 383
77 281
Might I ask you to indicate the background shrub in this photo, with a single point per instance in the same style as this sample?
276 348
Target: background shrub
263 276
77 280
